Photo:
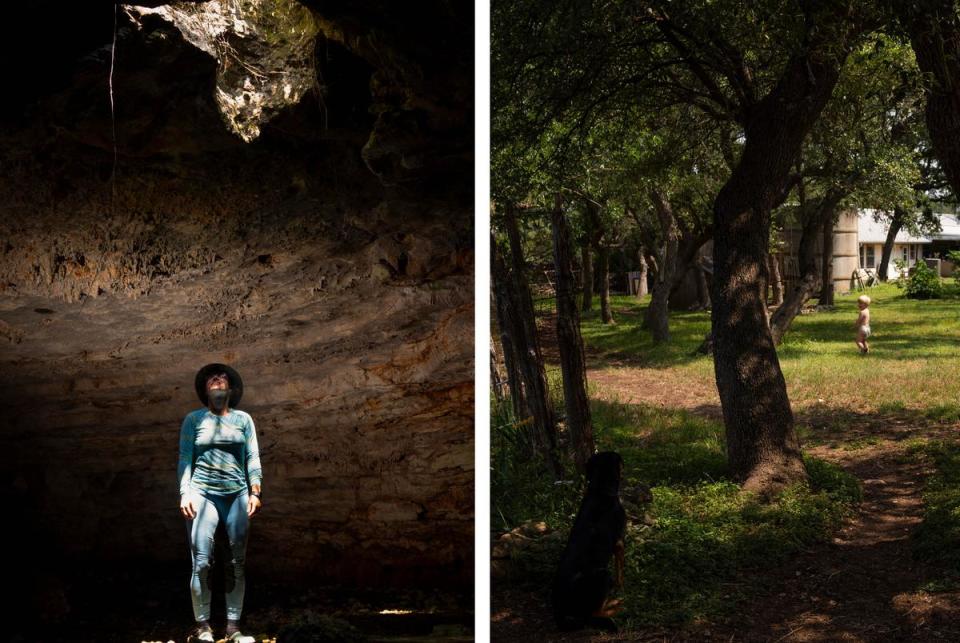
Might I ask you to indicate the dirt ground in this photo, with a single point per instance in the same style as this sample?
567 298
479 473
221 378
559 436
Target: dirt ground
151 602
863 586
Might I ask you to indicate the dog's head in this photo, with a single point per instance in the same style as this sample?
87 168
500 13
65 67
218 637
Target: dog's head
604 471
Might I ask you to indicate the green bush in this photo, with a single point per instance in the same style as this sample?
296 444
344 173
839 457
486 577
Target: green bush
924 283
901 266
954 256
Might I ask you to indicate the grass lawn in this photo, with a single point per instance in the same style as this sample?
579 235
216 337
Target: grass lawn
912 362
703 543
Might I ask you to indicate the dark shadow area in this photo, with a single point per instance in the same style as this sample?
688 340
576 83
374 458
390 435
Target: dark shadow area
866 581
138 599
835 427
327 259
865 584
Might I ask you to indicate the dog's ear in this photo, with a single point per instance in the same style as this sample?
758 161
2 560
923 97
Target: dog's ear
591 468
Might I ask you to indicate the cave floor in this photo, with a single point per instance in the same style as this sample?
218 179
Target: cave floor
142 605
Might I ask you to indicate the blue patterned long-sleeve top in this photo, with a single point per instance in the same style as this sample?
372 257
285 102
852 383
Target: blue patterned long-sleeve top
219 454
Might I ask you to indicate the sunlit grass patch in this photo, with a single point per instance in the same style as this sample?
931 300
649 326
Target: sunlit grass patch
914 342
860 443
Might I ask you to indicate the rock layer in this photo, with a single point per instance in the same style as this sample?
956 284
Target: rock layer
348 310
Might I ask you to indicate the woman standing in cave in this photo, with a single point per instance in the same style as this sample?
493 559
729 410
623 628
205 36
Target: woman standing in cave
219 459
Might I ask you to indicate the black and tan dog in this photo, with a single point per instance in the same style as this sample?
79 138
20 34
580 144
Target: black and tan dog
583 578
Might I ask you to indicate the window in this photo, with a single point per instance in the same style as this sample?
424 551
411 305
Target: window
861 256
905 252
871 257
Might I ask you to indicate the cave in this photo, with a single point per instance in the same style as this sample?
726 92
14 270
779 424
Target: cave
322 247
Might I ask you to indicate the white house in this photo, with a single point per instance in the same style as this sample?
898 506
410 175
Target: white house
872 234
857 243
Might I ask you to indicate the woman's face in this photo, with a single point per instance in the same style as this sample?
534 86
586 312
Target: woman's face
216 383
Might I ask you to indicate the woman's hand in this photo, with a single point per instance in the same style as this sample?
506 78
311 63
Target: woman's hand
253 505
187 508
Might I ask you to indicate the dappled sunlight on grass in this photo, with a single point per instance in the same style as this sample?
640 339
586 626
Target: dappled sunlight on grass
937 540
698 549
687 554
626 340
661 446
914 344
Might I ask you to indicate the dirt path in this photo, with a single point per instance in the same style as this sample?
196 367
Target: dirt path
863 585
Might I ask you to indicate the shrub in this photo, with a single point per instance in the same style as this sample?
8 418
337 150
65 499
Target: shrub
901 266
924 283
954 256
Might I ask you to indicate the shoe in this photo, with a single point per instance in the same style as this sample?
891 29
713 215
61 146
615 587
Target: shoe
202 633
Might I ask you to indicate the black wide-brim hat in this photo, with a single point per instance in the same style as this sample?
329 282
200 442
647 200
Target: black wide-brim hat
236 384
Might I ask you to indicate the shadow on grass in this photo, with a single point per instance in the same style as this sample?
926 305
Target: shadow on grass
707 556
626 343
687 549
904 329
937 541
865 581
839 427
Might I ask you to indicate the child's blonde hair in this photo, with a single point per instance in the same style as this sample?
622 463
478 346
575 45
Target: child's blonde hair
864 299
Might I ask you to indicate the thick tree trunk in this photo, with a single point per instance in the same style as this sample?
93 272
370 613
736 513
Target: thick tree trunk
586 303
518 274
688 246
528 353
642 261
657 318
934 28
896 224
776 281
762 443
703 287
572 360
603 266
826 289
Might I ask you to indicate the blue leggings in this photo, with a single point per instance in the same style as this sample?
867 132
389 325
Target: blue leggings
211 510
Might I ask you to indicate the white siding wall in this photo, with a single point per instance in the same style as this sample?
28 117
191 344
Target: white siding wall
870 254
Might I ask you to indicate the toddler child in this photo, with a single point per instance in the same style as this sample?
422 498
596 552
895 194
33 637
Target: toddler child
863 323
